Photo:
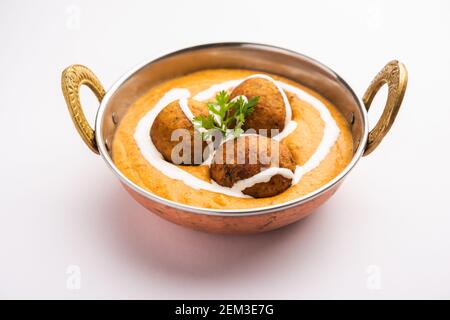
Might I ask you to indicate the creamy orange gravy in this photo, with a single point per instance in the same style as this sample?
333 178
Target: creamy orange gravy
302 143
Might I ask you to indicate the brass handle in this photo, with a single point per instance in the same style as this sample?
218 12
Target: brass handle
71 80
394 74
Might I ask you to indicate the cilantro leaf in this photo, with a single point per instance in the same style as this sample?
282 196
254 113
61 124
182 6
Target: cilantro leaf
223 113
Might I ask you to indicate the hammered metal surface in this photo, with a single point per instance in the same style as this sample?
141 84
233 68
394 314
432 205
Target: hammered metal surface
394 74
73 77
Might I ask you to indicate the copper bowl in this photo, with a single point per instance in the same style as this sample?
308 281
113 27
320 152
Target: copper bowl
292 65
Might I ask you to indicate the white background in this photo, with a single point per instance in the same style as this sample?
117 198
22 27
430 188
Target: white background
385 234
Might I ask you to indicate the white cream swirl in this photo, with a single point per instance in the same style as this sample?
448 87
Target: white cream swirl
154 157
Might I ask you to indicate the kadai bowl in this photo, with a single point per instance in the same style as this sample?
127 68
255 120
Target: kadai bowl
232 137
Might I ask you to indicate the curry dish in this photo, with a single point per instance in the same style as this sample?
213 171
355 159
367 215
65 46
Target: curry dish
319 141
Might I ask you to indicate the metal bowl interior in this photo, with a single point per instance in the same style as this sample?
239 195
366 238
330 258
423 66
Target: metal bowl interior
292 65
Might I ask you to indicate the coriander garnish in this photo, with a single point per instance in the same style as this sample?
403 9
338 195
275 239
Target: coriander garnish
224 114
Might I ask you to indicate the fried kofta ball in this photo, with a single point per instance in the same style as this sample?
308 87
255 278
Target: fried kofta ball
242 158
270 111
172 118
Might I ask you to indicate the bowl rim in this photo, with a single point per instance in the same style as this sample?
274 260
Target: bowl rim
227 212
